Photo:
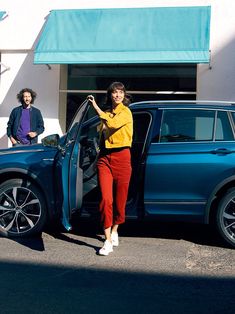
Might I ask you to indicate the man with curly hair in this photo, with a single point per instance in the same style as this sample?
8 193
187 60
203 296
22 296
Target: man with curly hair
25 121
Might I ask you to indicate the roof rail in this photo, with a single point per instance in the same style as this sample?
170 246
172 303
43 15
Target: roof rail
187 101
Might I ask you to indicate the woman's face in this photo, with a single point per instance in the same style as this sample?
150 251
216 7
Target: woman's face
117 96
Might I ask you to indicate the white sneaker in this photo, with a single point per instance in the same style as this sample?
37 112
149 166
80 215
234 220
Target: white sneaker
107 248
114 238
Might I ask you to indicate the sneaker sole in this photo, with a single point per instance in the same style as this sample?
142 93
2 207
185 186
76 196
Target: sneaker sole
102 254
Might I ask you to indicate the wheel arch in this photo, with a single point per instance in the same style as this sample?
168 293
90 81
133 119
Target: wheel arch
16 173
213 201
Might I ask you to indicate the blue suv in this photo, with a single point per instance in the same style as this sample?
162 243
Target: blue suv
183 160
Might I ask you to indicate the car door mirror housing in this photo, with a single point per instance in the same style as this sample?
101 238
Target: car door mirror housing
51 140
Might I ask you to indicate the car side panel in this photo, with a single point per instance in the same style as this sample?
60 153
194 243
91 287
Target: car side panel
180 177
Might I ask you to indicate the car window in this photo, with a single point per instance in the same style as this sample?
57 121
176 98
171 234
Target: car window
187 125
233 118
83 114
223 127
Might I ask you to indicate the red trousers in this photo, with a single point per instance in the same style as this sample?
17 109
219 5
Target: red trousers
114 173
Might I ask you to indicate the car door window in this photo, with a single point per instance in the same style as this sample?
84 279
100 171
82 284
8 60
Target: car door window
189 125
224 130
183 125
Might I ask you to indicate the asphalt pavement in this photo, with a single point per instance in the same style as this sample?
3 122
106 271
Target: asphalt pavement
158 268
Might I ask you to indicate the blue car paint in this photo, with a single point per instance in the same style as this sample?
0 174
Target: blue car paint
180 179
170 165
35 162
72 175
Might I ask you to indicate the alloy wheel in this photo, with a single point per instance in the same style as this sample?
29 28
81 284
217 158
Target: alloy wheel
20 210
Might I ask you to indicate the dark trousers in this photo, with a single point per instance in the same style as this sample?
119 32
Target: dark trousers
114 173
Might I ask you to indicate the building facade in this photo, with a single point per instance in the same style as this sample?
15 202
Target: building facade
62 83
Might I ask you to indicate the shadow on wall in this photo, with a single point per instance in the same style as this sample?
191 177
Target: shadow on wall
42 80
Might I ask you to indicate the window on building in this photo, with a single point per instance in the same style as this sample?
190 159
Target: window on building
143 82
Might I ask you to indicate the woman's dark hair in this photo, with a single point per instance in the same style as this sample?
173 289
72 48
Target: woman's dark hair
20 96
112 88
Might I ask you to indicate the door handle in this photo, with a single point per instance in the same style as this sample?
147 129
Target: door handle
221 151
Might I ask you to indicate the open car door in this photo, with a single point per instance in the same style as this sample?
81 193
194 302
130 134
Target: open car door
76 159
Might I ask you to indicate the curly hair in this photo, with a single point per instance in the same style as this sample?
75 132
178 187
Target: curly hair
112 88
20 95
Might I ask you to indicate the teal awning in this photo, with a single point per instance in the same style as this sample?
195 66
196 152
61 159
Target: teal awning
2 13
133 35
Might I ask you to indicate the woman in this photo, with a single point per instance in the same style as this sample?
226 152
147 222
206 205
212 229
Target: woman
114 162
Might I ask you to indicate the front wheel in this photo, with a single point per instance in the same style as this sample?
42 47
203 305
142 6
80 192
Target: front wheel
22 208
225 218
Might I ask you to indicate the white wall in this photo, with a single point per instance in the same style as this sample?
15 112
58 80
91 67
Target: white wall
219 82
22 74
21 29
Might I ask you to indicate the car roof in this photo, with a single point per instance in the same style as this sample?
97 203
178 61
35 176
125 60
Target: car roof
183 104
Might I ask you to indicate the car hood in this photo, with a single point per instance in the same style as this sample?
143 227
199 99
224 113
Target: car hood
27 149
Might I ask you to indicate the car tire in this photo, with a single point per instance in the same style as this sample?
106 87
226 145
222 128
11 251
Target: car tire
225 218
22 208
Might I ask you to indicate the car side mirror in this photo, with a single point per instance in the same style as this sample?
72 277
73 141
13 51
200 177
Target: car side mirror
51 140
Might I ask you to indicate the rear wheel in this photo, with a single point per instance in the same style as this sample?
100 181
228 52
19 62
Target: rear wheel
225 218
22 208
